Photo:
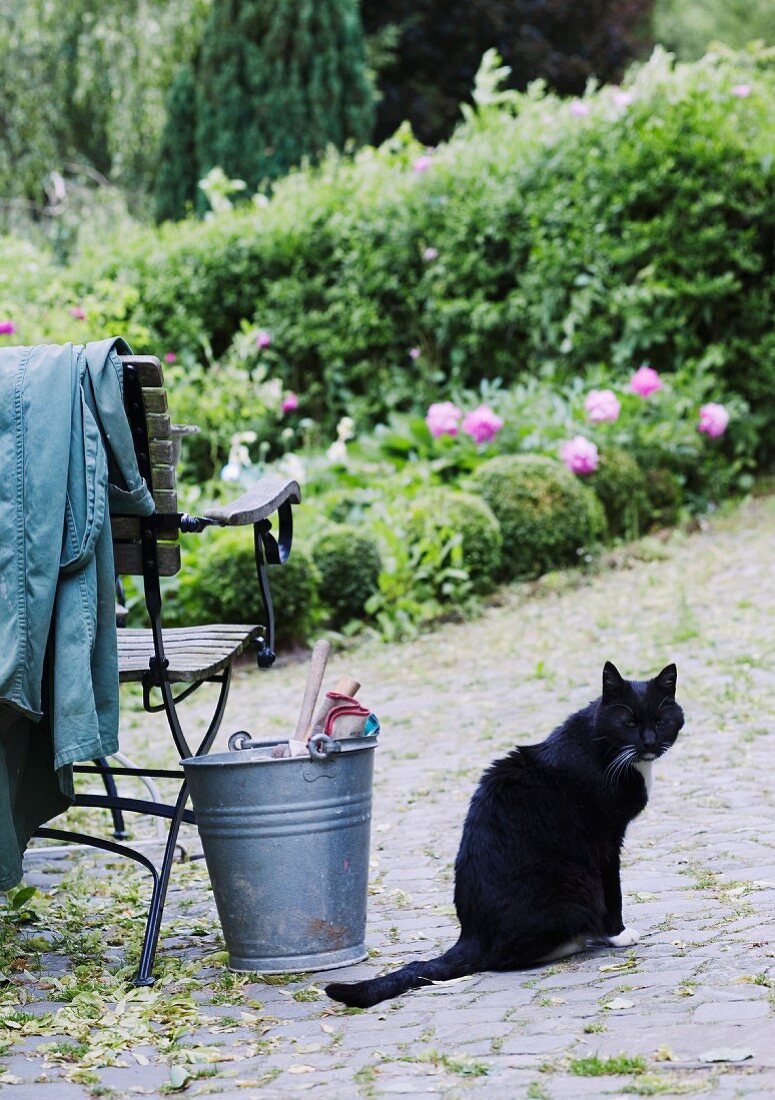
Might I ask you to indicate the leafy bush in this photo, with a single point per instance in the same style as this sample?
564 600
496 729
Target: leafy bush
222 586
442 510
621 486
665 493
633 224
349 564
547 517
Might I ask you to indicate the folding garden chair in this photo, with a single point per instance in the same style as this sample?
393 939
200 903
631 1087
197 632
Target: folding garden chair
159 658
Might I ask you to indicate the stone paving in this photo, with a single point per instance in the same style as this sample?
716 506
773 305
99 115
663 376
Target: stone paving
690 1010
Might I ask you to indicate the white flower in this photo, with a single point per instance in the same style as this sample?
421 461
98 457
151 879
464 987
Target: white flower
337 452
345 429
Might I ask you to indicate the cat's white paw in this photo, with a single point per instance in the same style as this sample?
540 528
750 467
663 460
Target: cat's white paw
628 937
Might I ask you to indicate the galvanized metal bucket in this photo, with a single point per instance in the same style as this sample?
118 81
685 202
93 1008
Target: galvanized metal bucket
286 843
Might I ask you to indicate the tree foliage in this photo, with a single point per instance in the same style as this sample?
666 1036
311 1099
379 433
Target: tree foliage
275 83
440 44
82 90
688 27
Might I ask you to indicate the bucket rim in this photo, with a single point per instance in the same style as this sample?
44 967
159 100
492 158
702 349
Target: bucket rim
240 757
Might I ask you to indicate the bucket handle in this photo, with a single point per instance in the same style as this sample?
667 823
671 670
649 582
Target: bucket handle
320 746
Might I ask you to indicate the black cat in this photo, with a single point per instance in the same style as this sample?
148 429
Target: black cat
537 873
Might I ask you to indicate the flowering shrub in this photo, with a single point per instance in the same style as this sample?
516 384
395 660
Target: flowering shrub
579 455
714 419
601 405
443 418
482 424
645 381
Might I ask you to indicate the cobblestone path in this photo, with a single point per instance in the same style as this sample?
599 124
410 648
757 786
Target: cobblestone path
690 1010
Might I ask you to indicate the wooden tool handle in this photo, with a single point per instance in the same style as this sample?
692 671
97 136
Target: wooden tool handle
317 668
345 685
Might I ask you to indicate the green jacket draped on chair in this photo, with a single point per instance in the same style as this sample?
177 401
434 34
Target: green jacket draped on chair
65 452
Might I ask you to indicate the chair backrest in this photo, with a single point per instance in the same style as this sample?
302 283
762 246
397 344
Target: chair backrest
145 401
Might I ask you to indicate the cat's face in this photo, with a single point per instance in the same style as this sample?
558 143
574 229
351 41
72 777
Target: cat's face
641 716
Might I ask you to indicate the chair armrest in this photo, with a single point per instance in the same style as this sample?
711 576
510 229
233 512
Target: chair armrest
260 501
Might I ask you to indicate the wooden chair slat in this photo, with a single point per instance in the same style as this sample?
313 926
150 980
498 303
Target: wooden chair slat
128 558
154 401
158 426
163 477
161 452
193 652
127 528
166 500
148 368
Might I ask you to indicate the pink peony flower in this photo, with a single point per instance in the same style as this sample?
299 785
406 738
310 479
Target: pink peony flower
430 254
7 328
263 338
602 405
645 381
713 420
482 424
579 455
414 353
443 418
170 357
422 164
742 91
78 312
579 108
290 402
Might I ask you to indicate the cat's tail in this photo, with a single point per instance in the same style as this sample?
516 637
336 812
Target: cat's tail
464 958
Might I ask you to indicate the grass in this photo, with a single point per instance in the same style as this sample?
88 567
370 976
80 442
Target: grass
618 1064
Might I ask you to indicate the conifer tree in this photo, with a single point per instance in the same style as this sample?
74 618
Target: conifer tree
175 188
277 81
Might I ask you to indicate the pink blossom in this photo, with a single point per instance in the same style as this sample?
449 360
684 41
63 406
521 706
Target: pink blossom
579 108
263 338
422 164
78 312
482 424
430 254
7 328
443 418
742 91
713 420
622 98
579 455
290 402
602 405
645 381
414 353
170 357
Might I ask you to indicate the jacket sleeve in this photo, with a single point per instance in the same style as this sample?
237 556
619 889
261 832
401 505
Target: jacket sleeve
128 491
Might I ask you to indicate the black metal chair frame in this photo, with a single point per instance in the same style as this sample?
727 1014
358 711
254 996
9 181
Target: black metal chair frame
268 550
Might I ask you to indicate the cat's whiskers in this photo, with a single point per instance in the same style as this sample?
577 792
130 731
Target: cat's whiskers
623 759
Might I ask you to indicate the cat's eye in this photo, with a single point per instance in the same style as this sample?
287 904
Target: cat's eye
630 723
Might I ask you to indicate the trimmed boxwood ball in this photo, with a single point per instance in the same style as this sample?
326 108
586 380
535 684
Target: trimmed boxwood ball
665 494
621 486
470 516
349 564
223 587
546 514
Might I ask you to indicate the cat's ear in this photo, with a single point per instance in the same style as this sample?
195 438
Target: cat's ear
613 683
667 679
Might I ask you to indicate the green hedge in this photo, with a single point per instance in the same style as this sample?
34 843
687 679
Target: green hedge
632 232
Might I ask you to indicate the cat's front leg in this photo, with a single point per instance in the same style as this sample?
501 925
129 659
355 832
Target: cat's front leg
615 933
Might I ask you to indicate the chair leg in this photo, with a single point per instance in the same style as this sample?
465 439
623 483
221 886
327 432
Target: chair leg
144 974
119 830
